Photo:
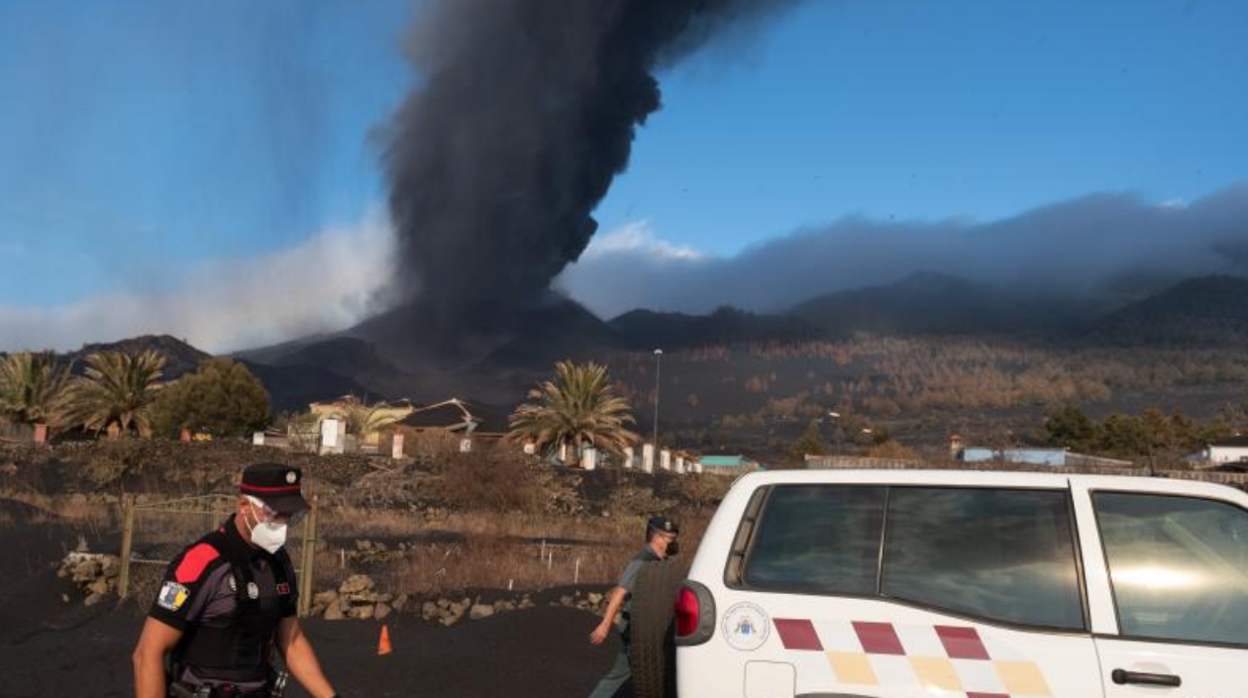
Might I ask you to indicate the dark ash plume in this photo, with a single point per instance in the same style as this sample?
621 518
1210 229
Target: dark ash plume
525 112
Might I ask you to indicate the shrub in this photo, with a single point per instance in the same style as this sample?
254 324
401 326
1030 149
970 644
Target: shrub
492 480
222 399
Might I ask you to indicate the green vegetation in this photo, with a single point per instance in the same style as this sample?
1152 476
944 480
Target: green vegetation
578 407
222 398
809 444
1152 433
117 392
33 388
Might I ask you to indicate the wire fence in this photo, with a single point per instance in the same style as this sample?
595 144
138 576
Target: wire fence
153 533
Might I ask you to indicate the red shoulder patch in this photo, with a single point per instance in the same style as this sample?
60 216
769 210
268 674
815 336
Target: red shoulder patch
194 562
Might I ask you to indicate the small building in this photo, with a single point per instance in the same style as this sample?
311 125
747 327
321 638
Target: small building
1232 450
342 408
456 423
729 465
1046 457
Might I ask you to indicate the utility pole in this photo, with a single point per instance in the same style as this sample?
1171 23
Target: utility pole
658 368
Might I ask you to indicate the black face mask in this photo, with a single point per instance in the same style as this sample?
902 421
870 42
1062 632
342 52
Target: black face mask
673 548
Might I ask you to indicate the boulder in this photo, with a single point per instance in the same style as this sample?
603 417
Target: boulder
381 610
356 584
99 586
480 611
86 570
333 612
326 598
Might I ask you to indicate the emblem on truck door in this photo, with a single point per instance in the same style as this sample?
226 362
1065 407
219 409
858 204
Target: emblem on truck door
746 627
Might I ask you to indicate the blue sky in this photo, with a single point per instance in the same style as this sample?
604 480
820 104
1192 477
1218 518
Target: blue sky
141 140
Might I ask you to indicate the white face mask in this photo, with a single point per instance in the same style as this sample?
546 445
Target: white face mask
268 535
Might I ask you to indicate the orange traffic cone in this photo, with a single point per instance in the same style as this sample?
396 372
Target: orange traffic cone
383 645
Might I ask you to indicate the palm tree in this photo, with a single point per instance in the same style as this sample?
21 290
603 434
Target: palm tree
33 388
365 420
118 389
578 407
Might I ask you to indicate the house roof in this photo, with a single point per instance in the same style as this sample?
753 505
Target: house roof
725 461
455 415
1232 442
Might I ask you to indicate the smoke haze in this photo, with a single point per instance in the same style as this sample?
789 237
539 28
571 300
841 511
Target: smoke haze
328 282
1084 246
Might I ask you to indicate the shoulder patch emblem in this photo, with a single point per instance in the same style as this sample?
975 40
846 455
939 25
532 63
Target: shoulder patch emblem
283 588
194 562
172 595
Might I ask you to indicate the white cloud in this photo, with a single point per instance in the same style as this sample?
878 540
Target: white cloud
629 267
638 238
326 283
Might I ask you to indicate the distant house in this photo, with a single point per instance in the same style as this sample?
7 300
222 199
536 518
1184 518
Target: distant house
341 407
1047 457
728 465
455 416
1232 450
458 421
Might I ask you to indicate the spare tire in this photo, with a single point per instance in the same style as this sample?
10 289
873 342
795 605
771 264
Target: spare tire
651 649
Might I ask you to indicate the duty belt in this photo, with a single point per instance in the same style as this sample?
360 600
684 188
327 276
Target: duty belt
276 688
183 690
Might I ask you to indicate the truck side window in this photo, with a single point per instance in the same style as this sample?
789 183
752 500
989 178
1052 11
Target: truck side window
1179 566
821 539
997 554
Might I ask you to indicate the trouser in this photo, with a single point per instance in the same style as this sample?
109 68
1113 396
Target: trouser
617 676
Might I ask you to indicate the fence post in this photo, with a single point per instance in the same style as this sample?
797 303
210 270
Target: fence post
127 541
307 559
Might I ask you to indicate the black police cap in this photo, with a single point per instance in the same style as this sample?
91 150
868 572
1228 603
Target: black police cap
664 524
278 486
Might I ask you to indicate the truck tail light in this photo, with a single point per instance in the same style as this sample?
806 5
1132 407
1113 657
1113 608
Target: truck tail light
695 614
687 616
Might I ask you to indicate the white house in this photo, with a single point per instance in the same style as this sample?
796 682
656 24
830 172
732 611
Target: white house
1232 450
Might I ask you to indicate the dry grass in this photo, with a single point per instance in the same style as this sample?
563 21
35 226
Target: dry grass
95 516
491 551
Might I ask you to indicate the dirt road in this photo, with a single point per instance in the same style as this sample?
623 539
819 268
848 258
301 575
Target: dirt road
50 647
538 653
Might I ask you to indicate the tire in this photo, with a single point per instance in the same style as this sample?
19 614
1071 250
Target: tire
651 649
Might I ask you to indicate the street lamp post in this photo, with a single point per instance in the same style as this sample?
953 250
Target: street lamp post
658 367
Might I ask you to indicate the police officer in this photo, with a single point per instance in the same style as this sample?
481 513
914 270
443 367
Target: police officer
661 544
228 602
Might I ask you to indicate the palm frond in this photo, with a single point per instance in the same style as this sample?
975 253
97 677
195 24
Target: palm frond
33 388
117 388
578 407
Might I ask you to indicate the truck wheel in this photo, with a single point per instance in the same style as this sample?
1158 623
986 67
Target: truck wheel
651 650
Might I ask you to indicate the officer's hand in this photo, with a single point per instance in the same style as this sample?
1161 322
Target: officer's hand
599 635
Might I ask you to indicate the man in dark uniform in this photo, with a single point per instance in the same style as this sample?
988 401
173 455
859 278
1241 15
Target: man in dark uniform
661 544
228 602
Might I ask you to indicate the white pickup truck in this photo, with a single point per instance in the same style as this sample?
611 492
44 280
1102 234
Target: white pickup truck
909 584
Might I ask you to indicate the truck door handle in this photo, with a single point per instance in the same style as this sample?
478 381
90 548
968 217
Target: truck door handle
1123 677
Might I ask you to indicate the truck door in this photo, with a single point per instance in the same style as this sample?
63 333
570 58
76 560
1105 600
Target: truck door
1177 578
